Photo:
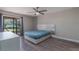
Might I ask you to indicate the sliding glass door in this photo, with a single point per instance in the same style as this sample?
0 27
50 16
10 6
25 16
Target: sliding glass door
8 24
12 24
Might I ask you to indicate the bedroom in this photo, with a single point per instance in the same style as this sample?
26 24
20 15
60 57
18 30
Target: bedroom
61 22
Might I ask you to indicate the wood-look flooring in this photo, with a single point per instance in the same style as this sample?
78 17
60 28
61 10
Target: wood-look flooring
51 44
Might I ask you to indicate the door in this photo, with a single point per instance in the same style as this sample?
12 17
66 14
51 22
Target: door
12 24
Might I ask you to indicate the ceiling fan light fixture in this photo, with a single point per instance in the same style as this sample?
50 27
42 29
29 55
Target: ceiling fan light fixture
37 13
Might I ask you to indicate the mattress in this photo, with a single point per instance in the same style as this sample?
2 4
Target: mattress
37 34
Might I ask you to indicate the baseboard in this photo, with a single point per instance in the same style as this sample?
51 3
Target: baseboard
72 40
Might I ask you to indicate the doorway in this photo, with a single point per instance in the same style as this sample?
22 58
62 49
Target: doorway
11 24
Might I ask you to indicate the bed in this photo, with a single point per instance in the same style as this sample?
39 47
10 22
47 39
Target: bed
42 33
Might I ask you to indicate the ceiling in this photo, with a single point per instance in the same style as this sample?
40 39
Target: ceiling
27 10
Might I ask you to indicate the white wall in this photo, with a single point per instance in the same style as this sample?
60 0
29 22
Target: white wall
67 22
29 23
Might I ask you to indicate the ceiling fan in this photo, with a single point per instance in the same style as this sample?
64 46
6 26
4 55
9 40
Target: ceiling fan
37 11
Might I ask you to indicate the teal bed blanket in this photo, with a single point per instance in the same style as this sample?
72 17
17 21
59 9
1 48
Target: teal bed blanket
37 34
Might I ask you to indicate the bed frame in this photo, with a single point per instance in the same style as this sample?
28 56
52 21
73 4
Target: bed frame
36 41
50 28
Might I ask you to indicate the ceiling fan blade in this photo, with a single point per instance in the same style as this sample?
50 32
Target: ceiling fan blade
43 11
35 9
